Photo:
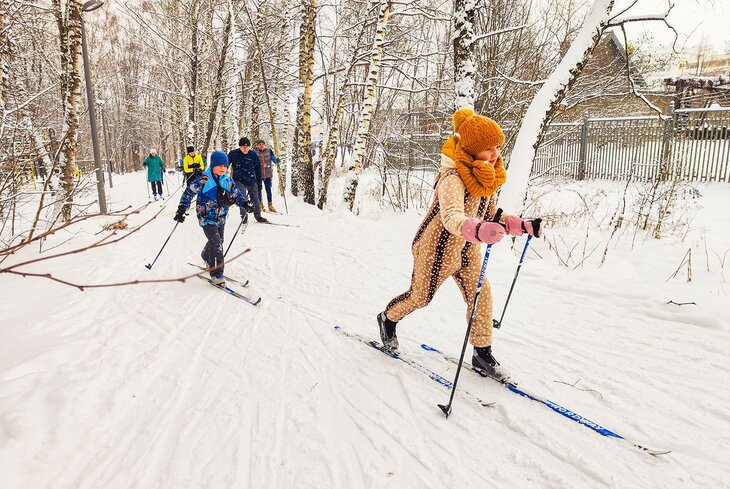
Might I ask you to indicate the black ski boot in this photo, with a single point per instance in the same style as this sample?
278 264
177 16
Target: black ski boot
487 366
387 332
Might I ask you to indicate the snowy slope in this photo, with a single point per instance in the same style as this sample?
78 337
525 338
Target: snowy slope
182 386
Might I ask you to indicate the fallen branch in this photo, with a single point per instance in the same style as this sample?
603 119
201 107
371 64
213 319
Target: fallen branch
580 389
12 249
102 242
83 287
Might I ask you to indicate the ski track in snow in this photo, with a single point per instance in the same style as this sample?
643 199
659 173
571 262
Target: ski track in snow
179 385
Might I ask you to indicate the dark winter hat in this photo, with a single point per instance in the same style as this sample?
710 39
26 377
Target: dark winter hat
218 158
244 142
260 141
191 149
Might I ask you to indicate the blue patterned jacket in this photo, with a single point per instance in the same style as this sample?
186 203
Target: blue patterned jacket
206 188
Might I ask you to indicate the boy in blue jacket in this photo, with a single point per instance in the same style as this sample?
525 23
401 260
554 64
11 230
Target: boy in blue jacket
216 193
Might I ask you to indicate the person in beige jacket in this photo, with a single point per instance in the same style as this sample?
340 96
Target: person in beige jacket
460 218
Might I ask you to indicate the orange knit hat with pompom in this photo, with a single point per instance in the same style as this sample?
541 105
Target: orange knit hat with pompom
477 132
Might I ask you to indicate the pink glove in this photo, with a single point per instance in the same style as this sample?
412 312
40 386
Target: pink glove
516 226
478 231
513 225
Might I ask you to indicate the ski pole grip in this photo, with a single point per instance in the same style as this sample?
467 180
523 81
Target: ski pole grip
498 215
537 224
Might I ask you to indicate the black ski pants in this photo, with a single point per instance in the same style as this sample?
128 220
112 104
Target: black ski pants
156 187
213 252
252 192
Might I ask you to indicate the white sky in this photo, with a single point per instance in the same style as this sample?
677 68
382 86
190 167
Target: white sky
695 20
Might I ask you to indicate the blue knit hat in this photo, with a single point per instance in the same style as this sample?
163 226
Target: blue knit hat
218 158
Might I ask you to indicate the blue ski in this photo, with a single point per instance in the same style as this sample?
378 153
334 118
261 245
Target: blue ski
560 410
235 294
228 279
396 356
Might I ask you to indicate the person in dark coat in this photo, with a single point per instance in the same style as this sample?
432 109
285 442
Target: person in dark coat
247 174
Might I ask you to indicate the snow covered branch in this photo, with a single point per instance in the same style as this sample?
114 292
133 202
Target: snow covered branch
631 79
487 35
521 82
618 21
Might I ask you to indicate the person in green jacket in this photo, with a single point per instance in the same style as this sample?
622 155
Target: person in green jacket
155 170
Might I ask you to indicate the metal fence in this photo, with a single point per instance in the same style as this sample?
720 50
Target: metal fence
689 144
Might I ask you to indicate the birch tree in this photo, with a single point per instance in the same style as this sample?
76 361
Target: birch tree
330 152
68 19
269 105
463 57
302 171
554 90
218 84
368 104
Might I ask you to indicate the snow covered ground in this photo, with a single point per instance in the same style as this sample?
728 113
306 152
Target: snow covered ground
178 385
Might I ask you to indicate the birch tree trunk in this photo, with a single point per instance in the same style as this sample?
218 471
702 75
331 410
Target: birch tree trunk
270 108
4 66
218 85
463 56
303 172
334 129
4 57
546 100
194 69
363 129
69 30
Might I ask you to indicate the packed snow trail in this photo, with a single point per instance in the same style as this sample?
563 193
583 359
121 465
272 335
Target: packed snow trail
178 385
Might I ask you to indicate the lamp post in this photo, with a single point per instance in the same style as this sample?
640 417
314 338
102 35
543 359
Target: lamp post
90 6
107 153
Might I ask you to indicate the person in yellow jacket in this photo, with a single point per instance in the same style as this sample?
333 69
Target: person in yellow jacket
193 165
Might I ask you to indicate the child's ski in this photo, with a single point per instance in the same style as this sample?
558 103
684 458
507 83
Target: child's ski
228 279
397 356
235 294
561 410
282 224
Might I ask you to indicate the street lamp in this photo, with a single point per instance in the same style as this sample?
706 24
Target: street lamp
90 6
105 131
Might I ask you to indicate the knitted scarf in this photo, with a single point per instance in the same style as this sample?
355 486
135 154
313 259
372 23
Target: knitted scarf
480 178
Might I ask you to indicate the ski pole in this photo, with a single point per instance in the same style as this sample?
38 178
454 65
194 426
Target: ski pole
234 237
148 187
498 324
150 265
447 409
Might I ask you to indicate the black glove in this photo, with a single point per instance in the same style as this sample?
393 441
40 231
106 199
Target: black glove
195 165
180 215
